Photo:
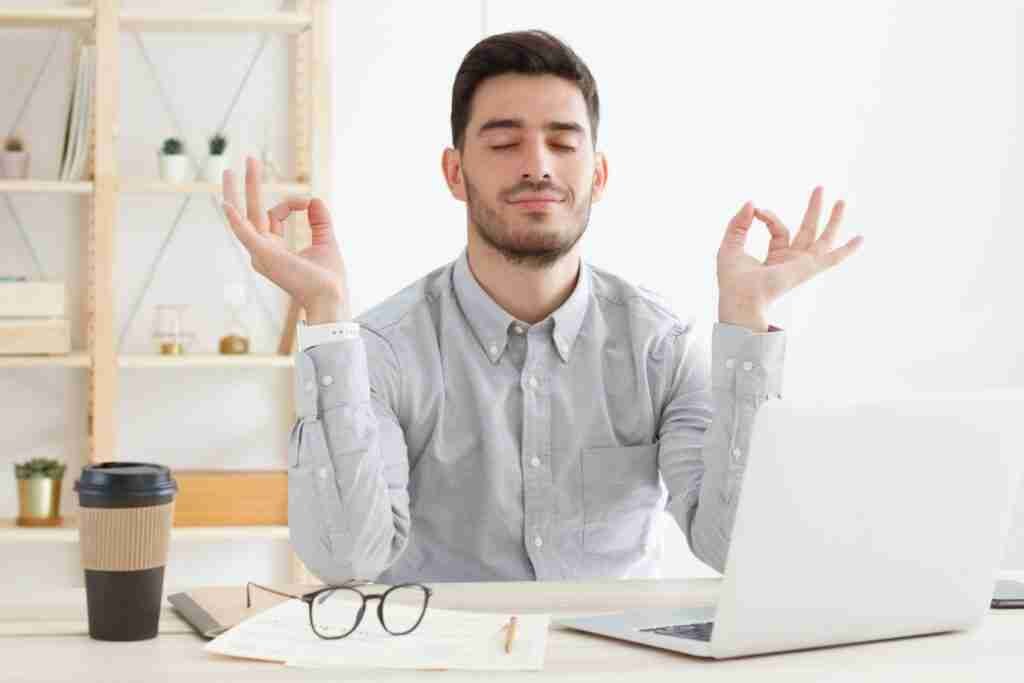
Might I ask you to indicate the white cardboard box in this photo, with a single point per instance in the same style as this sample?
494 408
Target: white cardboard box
34 335
33 299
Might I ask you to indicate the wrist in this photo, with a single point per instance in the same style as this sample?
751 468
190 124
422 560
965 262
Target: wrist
752 318
329 310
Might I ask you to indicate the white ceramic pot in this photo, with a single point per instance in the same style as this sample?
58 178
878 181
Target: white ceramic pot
14 165
214 168
173 167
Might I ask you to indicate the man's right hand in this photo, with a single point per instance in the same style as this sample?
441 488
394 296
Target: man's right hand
315 277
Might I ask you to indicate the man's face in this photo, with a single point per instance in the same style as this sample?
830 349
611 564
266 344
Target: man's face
527 171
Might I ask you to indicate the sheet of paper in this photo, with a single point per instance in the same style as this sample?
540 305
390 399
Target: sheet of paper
446 639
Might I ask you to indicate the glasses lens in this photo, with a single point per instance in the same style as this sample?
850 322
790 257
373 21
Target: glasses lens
335 612
403 608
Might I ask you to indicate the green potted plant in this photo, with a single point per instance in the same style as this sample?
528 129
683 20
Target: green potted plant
39 482
173 161
14 159
216 162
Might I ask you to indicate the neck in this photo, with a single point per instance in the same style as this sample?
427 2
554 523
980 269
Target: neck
527 293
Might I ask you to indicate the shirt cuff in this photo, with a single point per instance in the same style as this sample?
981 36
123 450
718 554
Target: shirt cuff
309 336
748 363
329 375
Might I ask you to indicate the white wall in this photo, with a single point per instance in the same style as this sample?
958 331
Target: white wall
909 111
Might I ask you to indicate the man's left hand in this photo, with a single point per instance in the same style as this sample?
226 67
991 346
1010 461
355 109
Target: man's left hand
747 286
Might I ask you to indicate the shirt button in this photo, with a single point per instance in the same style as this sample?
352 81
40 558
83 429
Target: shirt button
535 462
736 453
327 380
538 541
731 362
748 365
322 472
310 386
533 382
494 349
518 329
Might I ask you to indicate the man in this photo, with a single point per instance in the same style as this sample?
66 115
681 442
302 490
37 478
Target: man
519 413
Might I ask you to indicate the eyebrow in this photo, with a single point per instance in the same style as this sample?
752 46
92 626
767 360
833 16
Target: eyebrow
493 124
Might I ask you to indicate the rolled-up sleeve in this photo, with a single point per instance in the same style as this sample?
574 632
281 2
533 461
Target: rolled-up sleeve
348 502
707 424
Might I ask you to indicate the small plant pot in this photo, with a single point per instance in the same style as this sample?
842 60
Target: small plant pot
214 168
14 165
39 502
173 167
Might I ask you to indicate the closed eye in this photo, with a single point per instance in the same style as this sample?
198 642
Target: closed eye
561 147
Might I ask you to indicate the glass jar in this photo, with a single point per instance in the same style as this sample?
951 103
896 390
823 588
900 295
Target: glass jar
169 329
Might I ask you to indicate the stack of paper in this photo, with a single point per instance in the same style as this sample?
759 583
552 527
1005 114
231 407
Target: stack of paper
446 639
78 133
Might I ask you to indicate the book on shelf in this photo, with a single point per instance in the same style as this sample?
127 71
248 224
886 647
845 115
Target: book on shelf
77 133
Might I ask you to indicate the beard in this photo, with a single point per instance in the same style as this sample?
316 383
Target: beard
538 241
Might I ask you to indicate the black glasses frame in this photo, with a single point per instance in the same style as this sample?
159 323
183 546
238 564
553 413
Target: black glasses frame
311 597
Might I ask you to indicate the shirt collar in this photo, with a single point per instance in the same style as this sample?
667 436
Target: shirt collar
490 322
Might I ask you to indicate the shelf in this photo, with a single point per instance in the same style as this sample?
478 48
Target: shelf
47 186
156 21
68 532
43 18
269 22
159 187
141 187
75 359
205 360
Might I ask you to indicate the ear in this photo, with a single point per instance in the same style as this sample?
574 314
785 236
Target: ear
600 176
451 166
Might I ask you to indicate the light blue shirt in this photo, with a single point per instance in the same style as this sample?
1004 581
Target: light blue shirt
448 441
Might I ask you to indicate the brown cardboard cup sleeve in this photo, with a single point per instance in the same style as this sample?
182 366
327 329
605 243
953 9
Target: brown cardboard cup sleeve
125 539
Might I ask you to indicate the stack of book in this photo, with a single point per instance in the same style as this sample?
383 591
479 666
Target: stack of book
32 317
78 132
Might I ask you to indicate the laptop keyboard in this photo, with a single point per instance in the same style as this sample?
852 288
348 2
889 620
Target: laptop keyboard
700 631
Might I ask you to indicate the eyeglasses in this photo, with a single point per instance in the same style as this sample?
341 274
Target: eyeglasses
336 611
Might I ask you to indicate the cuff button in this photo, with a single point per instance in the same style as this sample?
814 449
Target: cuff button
327 380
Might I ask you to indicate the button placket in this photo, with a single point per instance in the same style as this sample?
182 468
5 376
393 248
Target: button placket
535 439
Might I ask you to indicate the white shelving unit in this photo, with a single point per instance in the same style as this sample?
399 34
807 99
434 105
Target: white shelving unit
106 20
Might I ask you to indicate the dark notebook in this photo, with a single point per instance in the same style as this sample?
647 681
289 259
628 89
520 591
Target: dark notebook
212 610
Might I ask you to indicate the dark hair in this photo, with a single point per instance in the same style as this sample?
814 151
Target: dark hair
532 53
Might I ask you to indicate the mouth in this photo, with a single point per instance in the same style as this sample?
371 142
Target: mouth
535 204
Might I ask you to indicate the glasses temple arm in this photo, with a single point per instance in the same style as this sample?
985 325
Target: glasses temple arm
248 594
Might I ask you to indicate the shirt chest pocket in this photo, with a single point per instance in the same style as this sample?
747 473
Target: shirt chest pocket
621 491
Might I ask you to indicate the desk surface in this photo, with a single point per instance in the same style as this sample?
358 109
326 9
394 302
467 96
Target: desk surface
994 651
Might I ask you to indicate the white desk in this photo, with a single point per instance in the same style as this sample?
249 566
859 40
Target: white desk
995 651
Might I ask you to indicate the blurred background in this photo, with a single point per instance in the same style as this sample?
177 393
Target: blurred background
908 111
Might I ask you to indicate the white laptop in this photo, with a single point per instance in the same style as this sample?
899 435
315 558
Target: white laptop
856 523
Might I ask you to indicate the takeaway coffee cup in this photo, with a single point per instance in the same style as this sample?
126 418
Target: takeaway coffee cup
125 515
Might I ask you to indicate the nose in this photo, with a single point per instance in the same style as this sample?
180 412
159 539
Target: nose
536 160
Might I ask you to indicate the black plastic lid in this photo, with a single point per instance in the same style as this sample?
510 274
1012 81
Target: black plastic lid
125 481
